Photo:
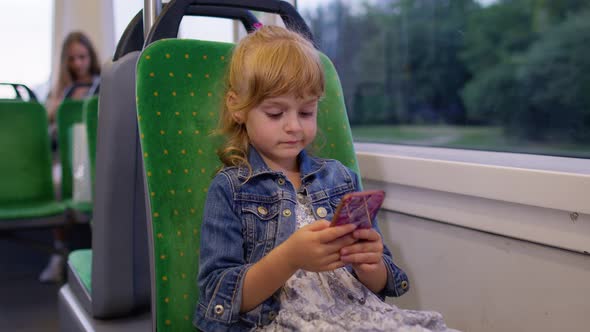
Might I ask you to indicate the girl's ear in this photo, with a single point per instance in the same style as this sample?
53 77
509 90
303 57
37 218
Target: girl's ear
231 100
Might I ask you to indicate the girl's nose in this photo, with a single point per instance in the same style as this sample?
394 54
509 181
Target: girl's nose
293 123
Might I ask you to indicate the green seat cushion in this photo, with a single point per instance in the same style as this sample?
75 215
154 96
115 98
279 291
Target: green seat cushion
31 210
80 262
180 90
85 207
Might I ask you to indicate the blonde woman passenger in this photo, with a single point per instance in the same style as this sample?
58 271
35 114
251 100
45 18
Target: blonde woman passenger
78 78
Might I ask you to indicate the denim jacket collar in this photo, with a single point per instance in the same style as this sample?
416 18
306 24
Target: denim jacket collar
307 164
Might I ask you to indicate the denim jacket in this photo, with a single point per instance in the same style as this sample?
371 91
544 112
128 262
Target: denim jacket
245 218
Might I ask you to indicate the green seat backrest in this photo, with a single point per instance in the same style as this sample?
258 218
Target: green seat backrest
25 162
68 114
91 119
180 86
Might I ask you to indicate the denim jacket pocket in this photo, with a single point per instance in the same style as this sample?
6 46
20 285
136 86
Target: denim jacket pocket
261 221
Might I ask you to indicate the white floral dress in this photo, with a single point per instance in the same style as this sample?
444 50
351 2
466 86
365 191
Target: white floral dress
337 301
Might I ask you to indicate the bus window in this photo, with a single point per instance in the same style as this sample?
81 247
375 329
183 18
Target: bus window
489 75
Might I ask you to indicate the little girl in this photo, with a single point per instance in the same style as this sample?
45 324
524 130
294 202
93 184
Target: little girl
269 260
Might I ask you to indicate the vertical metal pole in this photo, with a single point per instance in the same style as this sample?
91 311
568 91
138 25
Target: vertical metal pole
151 10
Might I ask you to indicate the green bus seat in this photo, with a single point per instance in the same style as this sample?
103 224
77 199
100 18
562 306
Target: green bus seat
27 197
180 87
90 116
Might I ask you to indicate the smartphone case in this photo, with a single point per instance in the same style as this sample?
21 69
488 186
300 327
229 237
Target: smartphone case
359 208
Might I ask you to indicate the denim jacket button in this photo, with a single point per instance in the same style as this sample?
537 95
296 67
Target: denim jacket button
272 315
321 211
404 284
286 212
262 210
219 310
281 181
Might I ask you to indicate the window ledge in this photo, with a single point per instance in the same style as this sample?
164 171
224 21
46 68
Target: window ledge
536 180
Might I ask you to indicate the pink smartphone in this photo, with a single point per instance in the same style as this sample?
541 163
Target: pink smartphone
359 208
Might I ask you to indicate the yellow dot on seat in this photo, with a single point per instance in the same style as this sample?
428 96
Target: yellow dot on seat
145 154
209 94
178 232
160 236
183 275
147 57
153 194
332 145
186 56
167 56
162 256
142 135
166 300
162 132
189 75
156 214
192 94
181 254
202 170
197 132
167 322
200 151
183 151
329 128
194 113
175 212
205 190
204 57
189 189
169 171
185 317
156 93
158 113
180 132
139 118
211 114
222 58
149 173
177 113
206 75
186 172
195 231
172 192
165 151
171 74
174 93
152 74
192 210
185 296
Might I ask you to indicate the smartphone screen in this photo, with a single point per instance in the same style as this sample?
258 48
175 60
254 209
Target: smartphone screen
359 208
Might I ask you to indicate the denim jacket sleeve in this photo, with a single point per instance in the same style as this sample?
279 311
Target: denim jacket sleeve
222 266
397 280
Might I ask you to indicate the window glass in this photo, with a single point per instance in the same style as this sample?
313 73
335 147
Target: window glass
206 28
509 75
26 34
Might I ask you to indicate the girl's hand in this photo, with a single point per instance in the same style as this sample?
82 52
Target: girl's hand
366 253
316 247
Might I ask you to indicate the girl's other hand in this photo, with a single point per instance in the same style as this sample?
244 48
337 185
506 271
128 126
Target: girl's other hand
316 247
366 253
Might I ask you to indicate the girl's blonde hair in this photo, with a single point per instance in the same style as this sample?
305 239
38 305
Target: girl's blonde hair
269 62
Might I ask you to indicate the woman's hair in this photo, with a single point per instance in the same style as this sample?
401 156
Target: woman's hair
269 62
66 77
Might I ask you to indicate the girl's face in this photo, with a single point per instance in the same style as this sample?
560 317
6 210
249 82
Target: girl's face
280 127
78 61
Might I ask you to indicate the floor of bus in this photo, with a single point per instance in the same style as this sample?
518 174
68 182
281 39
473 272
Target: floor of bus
25 303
